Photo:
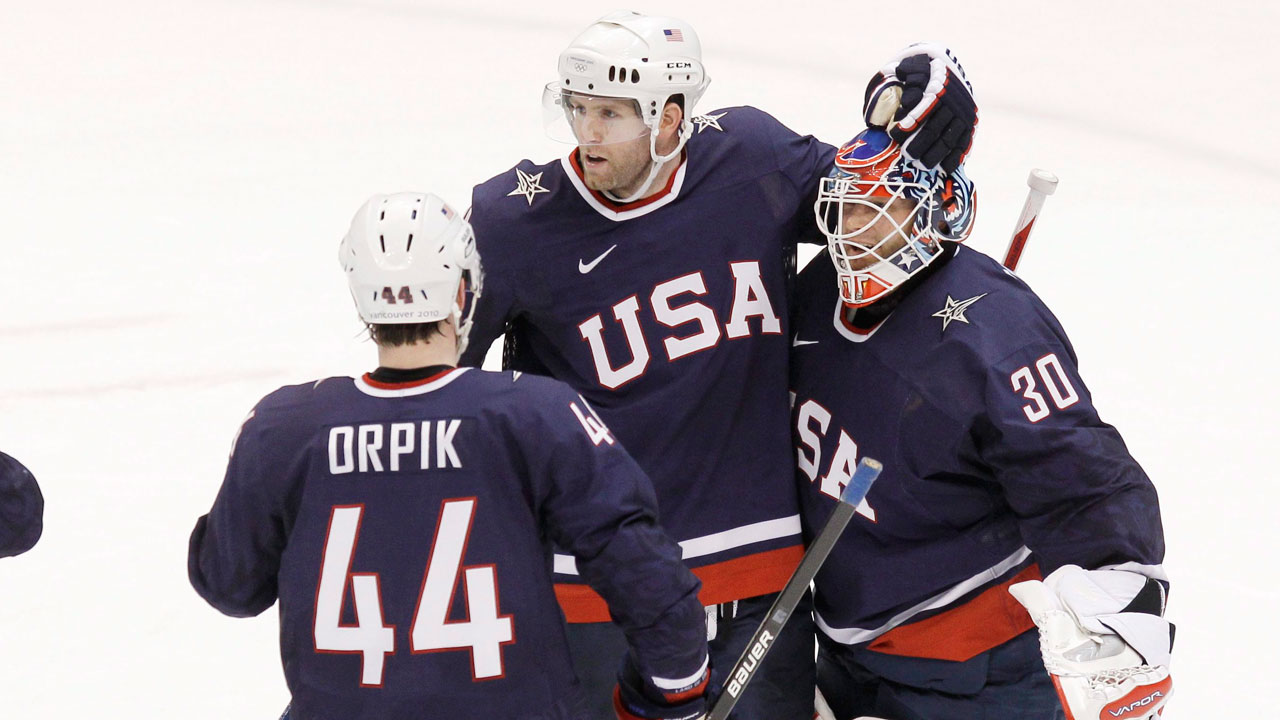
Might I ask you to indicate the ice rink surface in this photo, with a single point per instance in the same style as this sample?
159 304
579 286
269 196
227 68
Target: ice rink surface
175 177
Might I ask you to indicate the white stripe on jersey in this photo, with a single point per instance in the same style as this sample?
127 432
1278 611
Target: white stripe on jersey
717 542
854 636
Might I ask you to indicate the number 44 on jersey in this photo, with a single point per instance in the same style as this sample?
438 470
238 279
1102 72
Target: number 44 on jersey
483 633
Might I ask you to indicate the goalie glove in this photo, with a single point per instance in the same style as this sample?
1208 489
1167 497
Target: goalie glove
924 100
1103 641
636 698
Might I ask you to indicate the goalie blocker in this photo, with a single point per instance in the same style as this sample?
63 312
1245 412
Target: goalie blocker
1104 641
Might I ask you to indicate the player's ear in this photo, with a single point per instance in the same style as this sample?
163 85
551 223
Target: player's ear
672 116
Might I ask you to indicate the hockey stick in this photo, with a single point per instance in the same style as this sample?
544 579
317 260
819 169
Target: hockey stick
745 668
1042 184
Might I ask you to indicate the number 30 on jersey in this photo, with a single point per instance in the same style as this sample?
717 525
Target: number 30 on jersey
1054 379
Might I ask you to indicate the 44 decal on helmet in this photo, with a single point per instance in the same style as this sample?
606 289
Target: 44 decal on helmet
404 295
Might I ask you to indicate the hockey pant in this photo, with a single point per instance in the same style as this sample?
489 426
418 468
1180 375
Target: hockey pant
1007 682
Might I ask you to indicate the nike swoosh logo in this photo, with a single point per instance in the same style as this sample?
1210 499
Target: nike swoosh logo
585 268
798 342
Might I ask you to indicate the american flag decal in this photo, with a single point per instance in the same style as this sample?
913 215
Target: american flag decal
674 35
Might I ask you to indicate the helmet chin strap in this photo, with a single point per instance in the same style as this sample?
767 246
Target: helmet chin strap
657 161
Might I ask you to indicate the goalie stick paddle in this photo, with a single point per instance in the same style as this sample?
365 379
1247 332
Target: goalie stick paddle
1042 183
745 668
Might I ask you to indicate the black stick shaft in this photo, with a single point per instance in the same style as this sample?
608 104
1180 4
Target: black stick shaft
785 604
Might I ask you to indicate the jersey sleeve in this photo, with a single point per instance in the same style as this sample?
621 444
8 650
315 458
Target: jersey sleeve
234 552
598 505
803 160
21 508
1079 495
497 300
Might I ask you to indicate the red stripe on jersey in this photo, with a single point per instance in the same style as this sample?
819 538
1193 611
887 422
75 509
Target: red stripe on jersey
621 207
990 619
368 378
744 577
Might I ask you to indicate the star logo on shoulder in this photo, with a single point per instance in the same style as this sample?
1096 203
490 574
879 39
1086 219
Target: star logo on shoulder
955 310
527 185
709 121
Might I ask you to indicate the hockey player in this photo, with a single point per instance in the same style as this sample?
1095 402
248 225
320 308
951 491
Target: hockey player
916 350
21 508
649 269
403 519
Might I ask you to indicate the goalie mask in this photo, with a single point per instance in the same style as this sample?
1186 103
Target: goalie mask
406 256
884 219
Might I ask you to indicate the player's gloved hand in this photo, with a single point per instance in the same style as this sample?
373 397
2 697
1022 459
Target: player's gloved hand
925 92
636 698
1103 640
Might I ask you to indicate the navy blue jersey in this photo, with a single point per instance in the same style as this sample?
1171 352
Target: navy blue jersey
670 316
997 466
406 531
21 508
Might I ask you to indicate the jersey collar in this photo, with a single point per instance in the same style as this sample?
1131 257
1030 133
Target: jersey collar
848 331
617 211
367 385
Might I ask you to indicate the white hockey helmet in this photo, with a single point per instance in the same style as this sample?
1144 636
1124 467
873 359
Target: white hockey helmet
405 257
645 58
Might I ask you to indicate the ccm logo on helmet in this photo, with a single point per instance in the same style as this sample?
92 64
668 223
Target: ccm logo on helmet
679 65
743 674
